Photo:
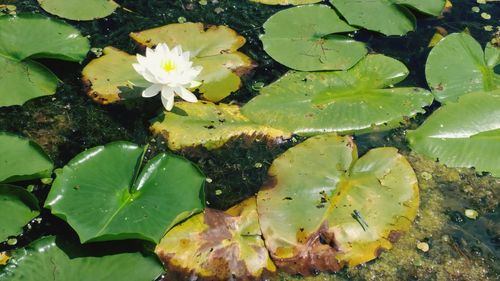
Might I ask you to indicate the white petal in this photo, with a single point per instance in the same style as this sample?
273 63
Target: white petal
185 94
149 52
167 98
194 84
151 91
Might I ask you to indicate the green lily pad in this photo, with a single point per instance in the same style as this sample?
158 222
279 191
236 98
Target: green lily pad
26 37
17 208
214 48
78 10
218 245
449 77
105 195
15 151
390 17
357 100
323 208
464 133
60 260
308 42
209 125
286 2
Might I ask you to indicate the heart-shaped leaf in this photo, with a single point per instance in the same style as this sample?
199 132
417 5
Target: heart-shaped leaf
306 43
17 208
25 37
209 125
56 259
390 17
218 245
449 77
323 208
464 133
78 10
286 2
14 151
105 195
355 100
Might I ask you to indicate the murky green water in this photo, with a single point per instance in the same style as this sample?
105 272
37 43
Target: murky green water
69 122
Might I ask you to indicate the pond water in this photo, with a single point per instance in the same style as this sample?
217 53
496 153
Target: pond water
69 122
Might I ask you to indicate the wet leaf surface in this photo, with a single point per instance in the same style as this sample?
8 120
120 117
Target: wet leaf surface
17 208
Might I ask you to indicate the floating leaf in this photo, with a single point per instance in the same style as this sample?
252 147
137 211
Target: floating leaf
214 48
286 2
15 152
104 195
355 100
209 125
25 37
17 208
54 259
78 10
390 17
307 43
449 77
323 208
218 245
464 133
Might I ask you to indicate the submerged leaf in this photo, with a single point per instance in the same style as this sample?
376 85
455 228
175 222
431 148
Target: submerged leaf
465 133
449 77
218 245
105 195
355 100
25 37
17 208
307 43
79 10
55 259
214 48
323 208
209 125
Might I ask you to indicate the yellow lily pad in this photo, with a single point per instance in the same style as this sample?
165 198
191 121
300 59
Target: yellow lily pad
217 245
209 125
4 258
214 48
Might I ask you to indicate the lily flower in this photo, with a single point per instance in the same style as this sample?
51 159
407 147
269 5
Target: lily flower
170 71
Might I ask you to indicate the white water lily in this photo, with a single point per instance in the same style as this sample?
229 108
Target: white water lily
170 71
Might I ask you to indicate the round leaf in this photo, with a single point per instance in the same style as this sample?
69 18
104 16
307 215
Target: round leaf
390 17
209 125
214 48
449 77
286 2
323 208
52 259
464 133
78 10
307 43
105 195
17 208
25 37
355 100
218 245
15 152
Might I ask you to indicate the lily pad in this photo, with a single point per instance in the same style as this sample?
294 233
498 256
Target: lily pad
15 151
78 10
323 207
105 195
309 42
390 17
286 2
209 125
214 48
53 259
218 245
17 208
449 77
464 133
26 37
352 101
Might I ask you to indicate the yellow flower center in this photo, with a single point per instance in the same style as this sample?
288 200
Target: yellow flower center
169 66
